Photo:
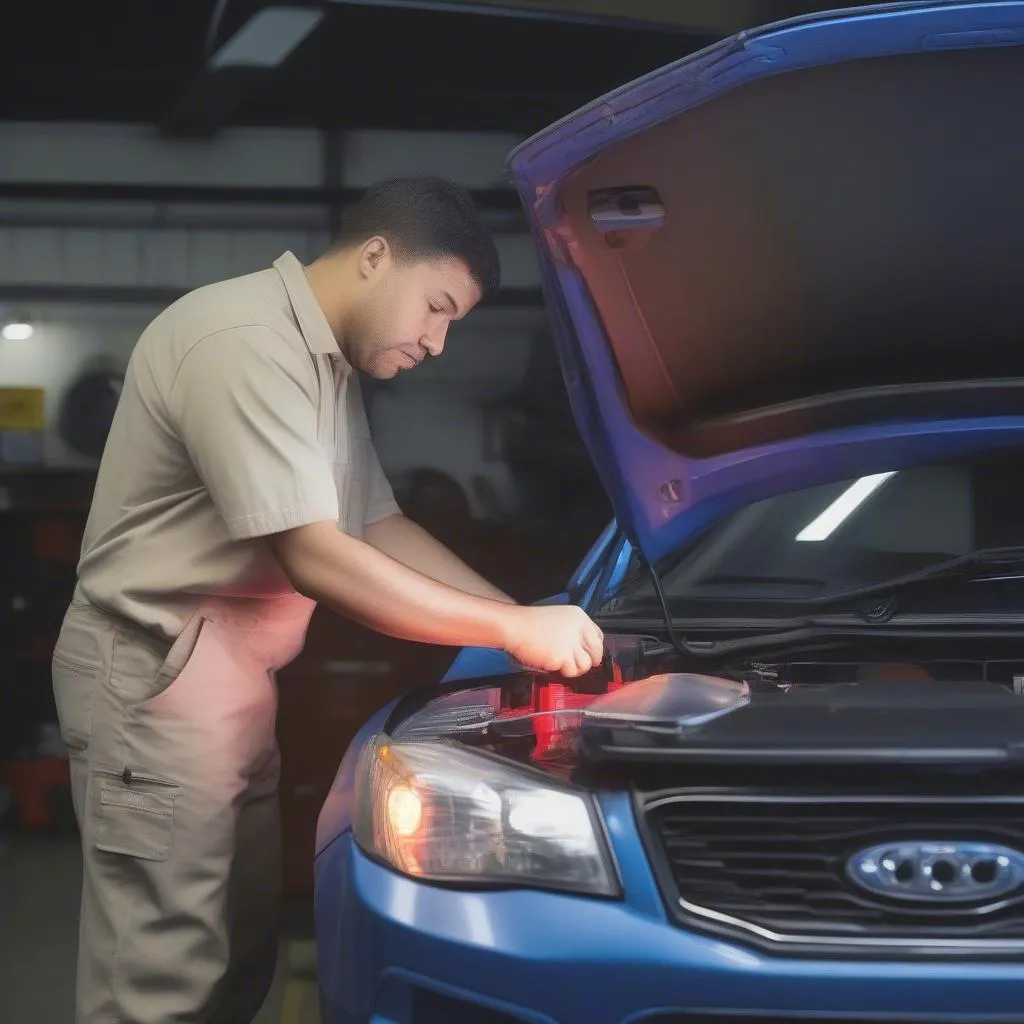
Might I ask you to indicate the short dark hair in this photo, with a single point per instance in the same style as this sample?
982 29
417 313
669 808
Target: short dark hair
422 219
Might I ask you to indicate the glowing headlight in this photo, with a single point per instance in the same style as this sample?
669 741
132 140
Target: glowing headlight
440 812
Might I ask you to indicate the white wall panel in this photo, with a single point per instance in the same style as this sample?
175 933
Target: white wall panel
35 255
163 257
137 154
178 257
477 161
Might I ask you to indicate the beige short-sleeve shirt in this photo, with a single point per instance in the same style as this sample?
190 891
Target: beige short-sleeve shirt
239 417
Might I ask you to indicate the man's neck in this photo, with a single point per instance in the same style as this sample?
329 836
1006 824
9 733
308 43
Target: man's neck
323 276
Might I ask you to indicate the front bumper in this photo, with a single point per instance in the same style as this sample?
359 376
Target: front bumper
395 951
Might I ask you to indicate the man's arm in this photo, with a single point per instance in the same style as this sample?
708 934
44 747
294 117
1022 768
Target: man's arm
355 579
244 405
407 542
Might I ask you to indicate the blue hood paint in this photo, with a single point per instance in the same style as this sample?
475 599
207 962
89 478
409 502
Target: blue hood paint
658 495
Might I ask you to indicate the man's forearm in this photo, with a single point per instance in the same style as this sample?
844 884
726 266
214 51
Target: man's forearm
357 580
408 543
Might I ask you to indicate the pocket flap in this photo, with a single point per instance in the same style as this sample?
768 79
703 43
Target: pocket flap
135 821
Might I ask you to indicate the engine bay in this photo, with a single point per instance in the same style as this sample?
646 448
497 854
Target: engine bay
937 701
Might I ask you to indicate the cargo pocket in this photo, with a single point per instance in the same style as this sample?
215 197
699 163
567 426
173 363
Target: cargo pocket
134 819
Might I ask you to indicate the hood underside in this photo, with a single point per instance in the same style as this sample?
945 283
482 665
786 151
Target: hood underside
806 240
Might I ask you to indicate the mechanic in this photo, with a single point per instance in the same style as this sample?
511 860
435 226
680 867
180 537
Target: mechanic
239 487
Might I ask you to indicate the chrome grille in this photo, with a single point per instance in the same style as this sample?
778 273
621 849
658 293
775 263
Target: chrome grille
774 868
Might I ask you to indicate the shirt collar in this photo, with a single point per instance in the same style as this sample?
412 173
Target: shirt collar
312 322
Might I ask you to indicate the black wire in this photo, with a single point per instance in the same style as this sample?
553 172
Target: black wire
678 644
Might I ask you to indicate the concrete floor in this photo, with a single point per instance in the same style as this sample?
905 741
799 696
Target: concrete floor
39 894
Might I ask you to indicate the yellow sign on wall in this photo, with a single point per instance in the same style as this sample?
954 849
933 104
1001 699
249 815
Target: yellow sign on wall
22 409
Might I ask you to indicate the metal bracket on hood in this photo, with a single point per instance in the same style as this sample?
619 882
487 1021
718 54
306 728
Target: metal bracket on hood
671 492
626 215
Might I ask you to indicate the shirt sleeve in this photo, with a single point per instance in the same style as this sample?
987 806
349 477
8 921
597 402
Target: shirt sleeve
244 403
380 500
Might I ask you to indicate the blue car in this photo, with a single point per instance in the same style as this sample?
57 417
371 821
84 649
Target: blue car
786 277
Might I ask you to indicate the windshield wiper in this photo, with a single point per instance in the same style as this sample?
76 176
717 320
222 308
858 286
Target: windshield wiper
1008 558
805 627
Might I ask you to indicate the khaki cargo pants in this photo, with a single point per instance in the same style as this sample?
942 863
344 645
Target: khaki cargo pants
174 770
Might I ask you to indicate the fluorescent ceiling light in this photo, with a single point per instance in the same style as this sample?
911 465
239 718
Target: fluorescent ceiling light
843 507
267 38
18 330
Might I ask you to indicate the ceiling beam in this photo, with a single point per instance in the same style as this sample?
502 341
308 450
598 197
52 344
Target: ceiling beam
234 69
208 101
498 200
85 204
504 298
711 17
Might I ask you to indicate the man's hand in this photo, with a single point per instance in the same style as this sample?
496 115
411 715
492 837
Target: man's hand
356 580
556 638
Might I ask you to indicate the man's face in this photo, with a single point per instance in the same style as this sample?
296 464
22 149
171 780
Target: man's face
404 315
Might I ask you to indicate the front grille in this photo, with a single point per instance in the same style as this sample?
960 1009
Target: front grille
716 1017
774 868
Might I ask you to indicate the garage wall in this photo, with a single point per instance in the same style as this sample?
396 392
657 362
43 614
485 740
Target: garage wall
137 154
185 244
123 260
176 258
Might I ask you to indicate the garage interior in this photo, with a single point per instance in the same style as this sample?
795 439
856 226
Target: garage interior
150 148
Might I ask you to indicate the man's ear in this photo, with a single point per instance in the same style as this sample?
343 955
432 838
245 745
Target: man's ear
374 256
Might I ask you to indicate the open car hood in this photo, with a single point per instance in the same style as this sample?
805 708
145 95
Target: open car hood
795 257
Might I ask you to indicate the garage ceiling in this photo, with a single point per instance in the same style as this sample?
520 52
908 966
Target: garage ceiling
491 65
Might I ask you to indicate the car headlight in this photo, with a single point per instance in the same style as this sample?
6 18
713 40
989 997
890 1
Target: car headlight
444 813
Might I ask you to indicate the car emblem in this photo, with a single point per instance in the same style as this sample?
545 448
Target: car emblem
929 870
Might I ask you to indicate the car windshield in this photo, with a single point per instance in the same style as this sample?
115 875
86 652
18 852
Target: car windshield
860 532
